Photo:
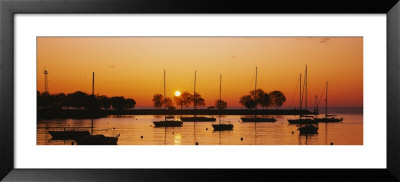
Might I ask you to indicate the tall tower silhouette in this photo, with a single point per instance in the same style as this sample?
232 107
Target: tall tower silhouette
46 81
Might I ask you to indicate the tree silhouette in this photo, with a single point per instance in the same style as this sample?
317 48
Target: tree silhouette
277 98
78 100
93 104
104 101
265 100
167 102
257 96
48 101
220 104
118 103
158 100
130 103
185 99
199 100
248 101
82 101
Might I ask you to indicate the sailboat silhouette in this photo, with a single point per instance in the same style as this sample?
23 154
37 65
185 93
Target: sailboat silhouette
328 117
168 121
255 118
221 126
196 118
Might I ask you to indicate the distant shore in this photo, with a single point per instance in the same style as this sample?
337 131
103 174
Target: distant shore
74 114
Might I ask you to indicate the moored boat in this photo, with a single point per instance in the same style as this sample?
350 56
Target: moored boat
255 118
68 135
308 129
167 123
97 140
195 118
198 119
329 118
303 119
221 126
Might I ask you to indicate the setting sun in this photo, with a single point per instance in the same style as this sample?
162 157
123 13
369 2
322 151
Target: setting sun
178 93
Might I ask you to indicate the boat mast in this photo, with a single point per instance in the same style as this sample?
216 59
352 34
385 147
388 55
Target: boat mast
194 92
220 101
165 99
326 101
194 107
220 83
300 95
255 89
165 116
91 132
93 84
255 114
305 84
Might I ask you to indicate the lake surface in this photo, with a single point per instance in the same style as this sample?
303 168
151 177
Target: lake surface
131 128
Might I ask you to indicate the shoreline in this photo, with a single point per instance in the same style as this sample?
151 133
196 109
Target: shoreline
83 114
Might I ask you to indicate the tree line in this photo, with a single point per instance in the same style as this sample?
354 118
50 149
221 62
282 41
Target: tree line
255 98
185 99
83 101
260 98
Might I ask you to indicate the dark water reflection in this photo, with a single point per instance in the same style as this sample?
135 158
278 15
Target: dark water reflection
131 128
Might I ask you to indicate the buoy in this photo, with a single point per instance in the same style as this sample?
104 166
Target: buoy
241 138
141 136
197 143
331 143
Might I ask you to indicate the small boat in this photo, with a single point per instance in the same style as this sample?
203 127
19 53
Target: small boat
329 118
255 118
196 118
97 140
68 135
221 126
303 119
169 121
308 129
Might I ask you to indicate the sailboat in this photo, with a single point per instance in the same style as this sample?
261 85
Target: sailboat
328 117
196 118
67 134
98 139
255 118
221 126
168 121
303 119
84 137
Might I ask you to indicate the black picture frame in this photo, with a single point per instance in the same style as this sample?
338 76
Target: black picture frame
9 8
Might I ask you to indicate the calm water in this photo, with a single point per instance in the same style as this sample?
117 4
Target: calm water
131 128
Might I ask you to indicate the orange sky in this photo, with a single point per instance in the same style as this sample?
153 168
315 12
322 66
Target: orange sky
133 66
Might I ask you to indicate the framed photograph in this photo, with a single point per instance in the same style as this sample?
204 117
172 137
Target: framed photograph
136 91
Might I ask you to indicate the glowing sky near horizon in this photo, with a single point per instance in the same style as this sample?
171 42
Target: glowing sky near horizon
133 66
